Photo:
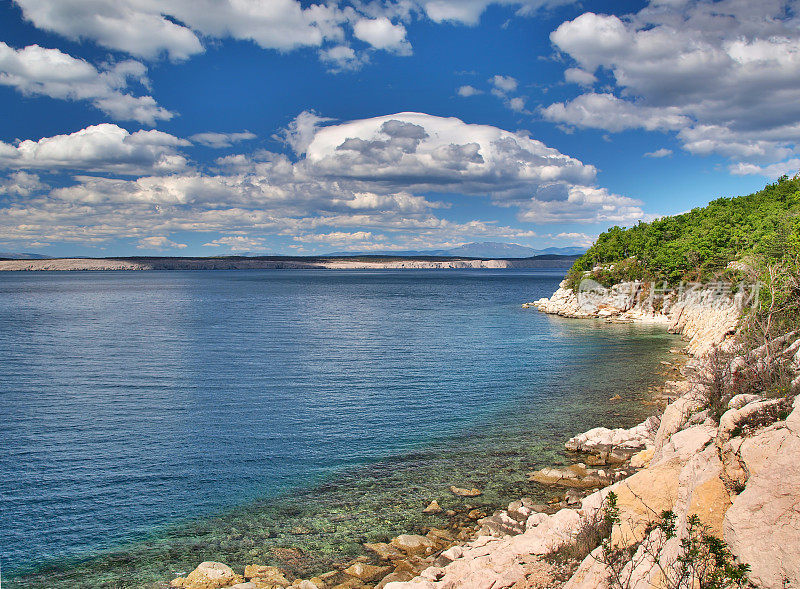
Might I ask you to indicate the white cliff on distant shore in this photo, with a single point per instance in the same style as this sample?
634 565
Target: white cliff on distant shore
243 263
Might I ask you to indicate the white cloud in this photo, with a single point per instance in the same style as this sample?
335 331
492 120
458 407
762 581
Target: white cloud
790 168
422 153
575 75
468 12
178 28
584 204
342 58
504 84
467 91
503 87
725 73
658 153
221 140
21 184
577 238
339 237
382 34
606 111
159 243
300 132
517 103
35 70
148 29
237 243
381 175
99 148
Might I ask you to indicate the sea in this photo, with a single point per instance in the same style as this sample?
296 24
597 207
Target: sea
150 421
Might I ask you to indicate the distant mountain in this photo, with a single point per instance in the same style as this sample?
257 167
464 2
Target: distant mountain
22 256
486 249
564 251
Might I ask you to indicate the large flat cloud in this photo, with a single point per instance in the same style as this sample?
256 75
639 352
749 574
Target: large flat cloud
35 70
725 74
422 153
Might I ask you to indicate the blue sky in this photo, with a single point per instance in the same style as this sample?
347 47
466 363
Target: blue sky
135 127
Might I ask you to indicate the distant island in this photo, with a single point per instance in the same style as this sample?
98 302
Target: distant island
361 262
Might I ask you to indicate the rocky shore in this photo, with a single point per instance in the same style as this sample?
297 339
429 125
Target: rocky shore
735 478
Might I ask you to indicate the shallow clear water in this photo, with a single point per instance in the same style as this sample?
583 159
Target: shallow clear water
152 420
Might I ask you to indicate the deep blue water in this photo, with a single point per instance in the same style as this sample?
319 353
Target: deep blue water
135 402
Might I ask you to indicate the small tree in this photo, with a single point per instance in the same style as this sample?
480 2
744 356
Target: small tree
704 561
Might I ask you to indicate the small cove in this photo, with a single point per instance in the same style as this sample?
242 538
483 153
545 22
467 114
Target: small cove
158 419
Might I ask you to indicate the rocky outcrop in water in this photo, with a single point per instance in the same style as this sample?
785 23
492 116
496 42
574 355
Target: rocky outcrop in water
706 316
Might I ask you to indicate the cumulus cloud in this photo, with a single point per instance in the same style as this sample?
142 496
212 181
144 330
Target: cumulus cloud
159 243
21 184
724 73
468 12
35 70
237 243
221 140
174 27
99 148
503 87
381 33
606 111
422 153
340 58
467 91
504 84
577 238
177 28
658 153
300 132
790 168
576 75
339 237
583 204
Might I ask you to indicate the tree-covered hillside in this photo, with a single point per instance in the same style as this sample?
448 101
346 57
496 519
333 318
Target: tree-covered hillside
763 227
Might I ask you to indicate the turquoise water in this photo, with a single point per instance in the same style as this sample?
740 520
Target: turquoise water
152 420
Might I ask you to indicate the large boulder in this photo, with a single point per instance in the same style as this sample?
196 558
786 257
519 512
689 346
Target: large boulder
761 527
733 424
265 576
675 416
208 575
413 544
602 439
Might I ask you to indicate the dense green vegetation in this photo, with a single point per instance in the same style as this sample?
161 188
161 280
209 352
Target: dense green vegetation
699 245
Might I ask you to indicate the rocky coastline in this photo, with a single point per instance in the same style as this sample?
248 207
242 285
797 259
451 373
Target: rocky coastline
736 477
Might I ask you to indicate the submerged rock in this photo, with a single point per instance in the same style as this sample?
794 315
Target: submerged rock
433 507
461 492
577 476
413 544
367 572
263 575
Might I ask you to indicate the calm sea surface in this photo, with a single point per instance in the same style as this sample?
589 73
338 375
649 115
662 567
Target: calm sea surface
153 420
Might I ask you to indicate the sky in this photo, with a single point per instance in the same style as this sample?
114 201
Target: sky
219 127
